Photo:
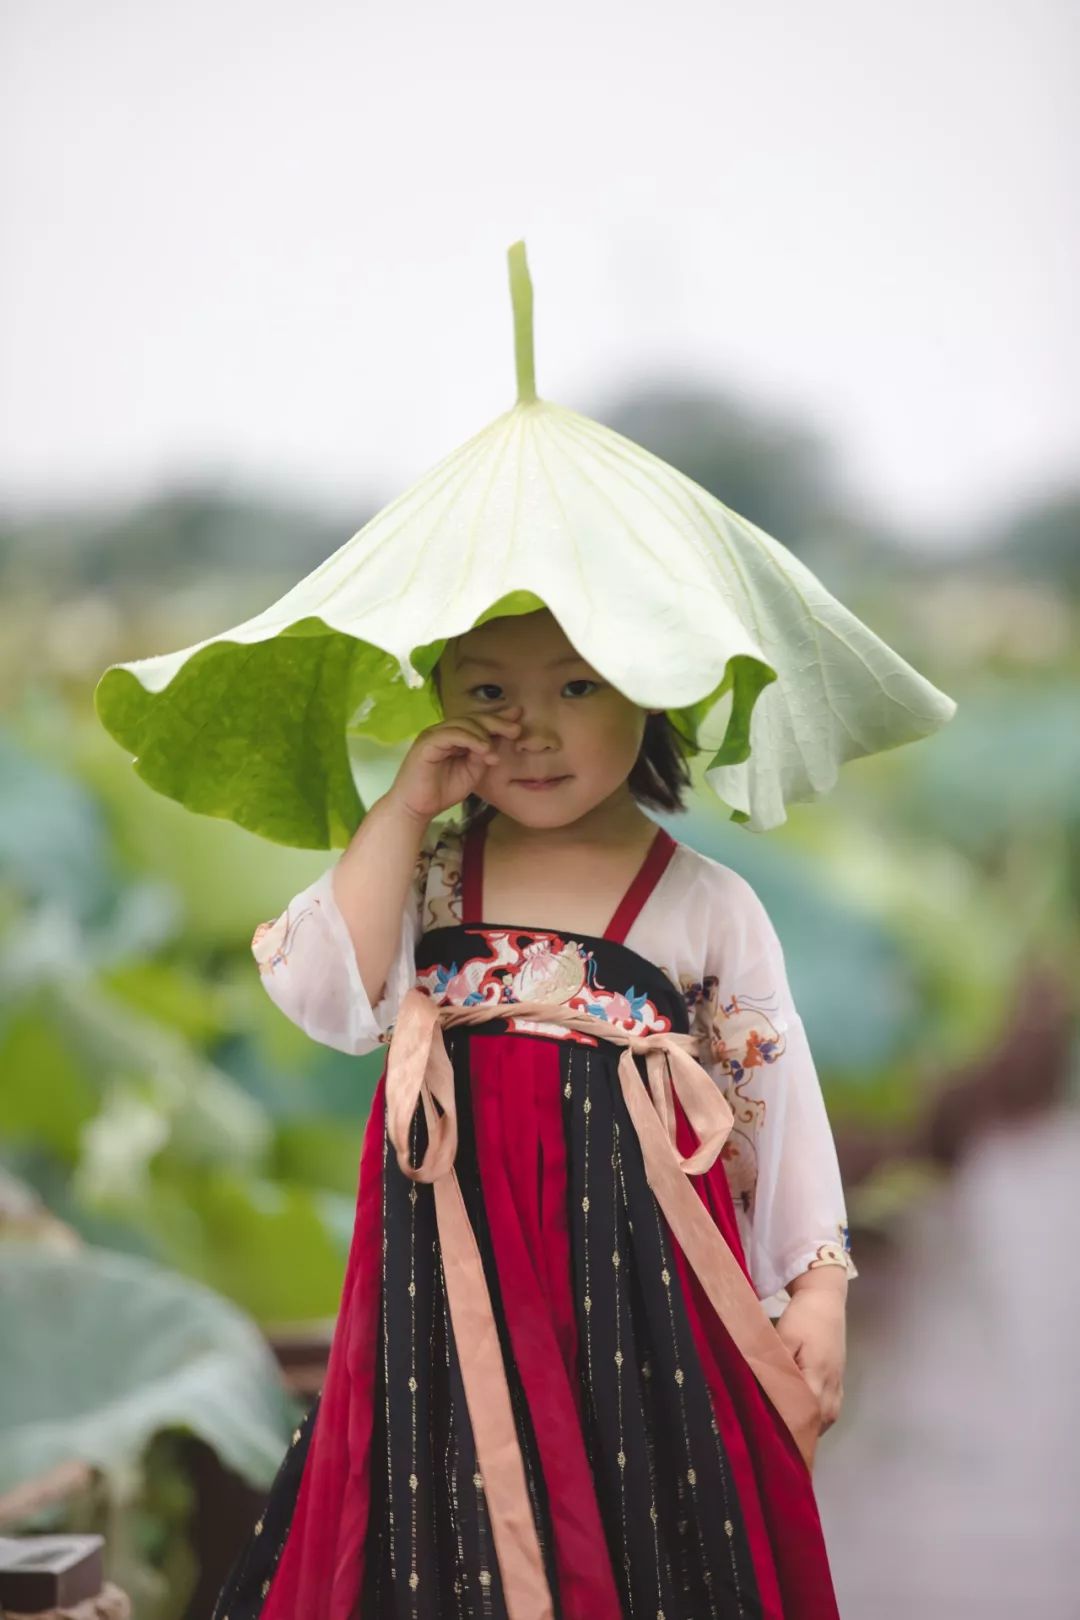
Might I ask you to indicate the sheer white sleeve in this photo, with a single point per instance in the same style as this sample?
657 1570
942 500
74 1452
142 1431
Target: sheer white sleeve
308 967
781 1157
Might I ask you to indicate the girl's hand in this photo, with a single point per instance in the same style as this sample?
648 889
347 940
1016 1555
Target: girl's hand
814 1329
447 760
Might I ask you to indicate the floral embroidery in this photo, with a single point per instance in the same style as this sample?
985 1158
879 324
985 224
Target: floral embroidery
831 1254
272 941
538 965
438 882
835 1254
741 1036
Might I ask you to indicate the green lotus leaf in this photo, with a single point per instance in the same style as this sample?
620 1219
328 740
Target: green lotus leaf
103 1351
672 597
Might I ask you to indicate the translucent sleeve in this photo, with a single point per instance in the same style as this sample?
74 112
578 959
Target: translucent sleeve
308 967
781 1156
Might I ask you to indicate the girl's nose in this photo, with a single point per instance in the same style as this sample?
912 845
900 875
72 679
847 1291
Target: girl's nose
532 737
533 731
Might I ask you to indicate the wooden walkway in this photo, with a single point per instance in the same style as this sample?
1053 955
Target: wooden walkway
950 1486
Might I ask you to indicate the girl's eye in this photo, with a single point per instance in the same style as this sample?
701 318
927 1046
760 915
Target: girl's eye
492 686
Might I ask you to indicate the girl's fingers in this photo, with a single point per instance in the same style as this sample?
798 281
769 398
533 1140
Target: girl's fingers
483 726
450 739
506 724
503 728
453 738
473 733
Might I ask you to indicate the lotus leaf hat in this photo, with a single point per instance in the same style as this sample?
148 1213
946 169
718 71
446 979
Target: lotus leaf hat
673 598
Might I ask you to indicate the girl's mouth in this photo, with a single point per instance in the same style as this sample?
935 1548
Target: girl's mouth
539 786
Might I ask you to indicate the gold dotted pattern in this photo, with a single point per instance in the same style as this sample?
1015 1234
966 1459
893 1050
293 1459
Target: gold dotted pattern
661 1564
690 1475
450 1473
390 1528
619 1393
586 1108
414 1578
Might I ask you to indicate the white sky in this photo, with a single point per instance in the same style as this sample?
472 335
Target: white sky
266 240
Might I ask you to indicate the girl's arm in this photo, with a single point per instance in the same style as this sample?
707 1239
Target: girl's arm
339 959
371 885
785 1164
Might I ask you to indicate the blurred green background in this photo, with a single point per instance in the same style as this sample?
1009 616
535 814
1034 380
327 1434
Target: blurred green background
158 1109
253 285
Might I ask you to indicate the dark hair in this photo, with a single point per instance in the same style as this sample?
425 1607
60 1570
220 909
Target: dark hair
658 779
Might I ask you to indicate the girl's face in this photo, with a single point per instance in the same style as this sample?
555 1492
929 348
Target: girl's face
574 725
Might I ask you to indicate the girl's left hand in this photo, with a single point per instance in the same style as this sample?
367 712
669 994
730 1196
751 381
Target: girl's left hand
814 1329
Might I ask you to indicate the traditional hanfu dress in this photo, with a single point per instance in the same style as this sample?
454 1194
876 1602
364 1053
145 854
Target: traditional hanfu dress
541 1401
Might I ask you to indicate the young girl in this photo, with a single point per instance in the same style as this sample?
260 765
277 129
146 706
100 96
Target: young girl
597 1157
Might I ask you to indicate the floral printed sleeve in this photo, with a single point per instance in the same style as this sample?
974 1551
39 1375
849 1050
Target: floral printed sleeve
308 967
780 1157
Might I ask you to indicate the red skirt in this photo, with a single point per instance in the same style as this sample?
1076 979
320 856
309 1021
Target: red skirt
662 1480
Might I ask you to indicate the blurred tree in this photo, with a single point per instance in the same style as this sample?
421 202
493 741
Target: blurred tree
1042 541
777 472
175 538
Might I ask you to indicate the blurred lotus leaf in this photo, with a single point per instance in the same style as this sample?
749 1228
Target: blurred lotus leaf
1013 764
76 909
853 981
277 1248
101 1352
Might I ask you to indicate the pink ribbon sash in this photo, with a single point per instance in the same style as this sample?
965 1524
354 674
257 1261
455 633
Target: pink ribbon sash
419 1069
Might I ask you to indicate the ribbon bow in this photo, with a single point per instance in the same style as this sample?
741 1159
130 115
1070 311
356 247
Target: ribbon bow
419 1069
